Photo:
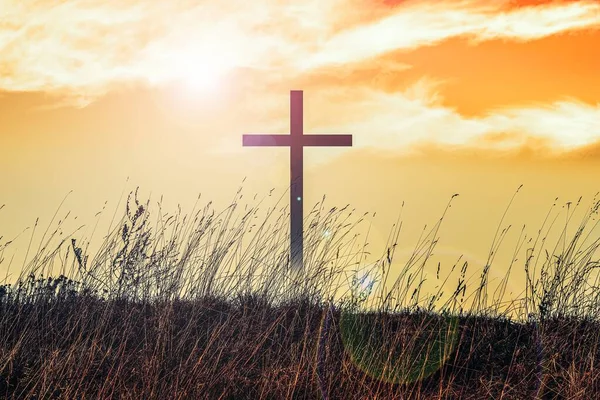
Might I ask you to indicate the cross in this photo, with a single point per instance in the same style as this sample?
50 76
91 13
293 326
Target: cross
296 141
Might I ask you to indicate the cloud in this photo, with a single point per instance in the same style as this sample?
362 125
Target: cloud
412 120
426 23
83 49
416 121
80 50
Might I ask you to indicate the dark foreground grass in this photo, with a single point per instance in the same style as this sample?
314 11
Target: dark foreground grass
205 307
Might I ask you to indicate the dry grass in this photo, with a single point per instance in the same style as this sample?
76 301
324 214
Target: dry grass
205 306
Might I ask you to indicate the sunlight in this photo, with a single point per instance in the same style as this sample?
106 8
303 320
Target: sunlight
194 82
198 66
200 74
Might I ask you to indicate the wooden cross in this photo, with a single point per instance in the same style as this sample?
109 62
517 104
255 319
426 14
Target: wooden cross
296 141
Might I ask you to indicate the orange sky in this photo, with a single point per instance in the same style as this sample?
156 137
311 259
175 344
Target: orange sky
442 97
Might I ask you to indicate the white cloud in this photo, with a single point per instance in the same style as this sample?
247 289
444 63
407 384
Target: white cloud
85 48
426 23
405 120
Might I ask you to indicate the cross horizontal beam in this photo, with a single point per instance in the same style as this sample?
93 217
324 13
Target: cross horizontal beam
307 140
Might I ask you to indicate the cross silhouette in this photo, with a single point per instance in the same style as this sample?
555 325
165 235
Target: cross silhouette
296 141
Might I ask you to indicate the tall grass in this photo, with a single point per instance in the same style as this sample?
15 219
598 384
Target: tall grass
205 305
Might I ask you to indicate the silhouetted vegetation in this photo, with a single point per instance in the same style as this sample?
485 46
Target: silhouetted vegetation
205 307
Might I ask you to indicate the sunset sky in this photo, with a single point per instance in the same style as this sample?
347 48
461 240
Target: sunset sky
441 97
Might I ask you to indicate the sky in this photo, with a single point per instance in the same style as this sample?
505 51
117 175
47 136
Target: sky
441 97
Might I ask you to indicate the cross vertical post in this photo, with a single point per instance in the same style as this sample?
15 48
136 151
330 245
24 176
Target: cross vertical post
296 180
296 141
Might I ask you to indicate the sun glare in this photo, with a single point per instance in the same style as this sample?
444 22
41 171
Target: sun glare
193 84
200 75
197 68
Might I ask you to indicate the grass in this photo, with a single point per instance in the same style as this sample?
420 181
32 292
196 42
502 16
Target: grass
204 306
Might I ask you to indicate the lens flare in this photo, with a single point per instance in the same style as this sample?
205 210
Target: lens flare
401 348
